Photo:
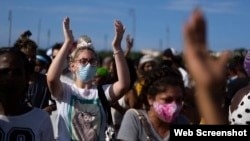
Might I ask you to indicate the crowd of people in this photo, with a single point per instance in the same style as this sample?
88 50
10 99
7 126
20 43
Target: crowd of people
73 94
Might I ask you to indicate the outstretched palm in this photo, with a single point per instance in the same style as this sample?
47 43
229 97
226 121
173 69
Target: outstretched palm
68 35
119 31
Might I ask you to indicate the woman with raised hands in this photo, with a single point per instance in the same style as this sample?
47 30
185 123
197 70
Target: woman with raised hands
81 115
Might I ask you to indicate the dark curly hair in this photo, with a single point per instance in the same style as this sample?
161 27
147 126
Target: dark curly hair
25 42
156 81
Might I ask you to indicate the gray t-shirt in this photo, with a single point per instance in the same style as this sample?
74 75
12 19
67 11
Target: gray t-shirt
132 130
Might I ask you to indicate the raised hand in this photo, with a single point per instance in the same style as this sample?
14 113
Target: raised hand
205 70
130 42
119 31
208 73
68 34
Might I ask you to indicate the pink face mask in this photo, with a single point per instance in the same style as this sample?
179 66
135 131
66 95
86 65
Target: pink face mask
167 112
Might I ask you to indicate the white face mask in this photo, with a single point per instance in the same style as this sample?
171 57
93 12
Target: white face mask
241 115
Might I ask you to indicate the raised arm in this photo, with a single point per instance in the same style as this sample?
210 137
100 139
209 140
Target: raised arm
122 85
129 43
55 69
208 74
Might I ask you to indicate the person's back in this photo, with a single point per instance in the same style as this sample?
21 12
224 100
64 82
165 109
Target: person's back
18 121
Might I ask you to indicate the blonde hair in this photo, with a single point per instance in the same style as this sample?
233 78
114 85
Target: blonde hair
83 42
77 51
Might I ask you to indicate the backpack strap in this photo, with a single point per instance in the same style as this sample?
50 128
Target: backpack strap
144 123
105 104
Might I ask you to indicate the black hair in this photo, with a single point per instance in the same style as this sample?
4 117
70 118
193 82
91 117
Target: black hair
168 53
19 54
24 41
156 81
132 72
57 46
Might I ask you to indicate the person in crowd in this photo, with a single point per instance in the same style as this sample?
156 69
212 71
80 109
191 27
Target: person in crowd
146 63
19 121
235 79
208 74
106 62
109 63
38 94
169 59
161 103
42 62
101 76
81 115
239 109
108 76
66 74
128 100
130 44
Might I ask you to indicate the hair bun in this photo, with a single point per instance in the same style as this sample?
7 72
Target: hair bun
84 41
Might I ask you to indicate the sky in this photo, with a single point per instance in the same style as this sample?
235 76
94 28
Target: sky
155 24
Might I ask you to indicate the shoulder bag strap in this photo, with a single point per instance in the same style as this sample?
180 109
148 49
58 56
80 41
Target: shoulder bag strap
144 123
105 104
